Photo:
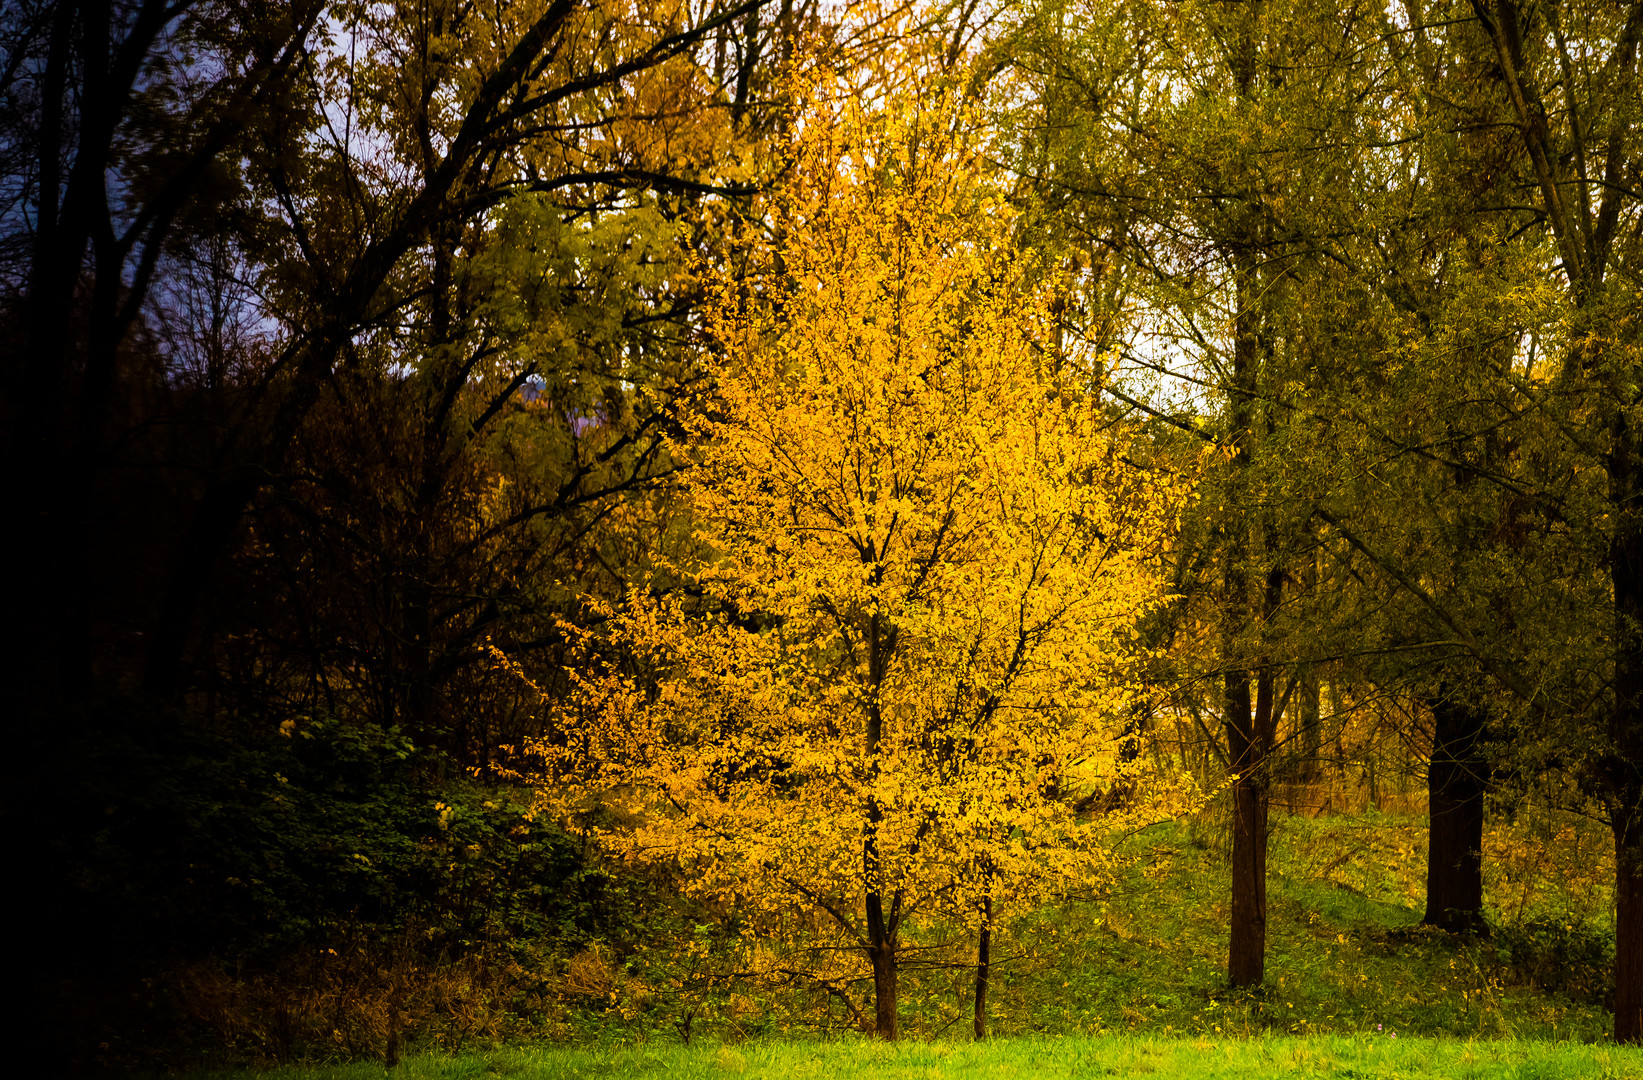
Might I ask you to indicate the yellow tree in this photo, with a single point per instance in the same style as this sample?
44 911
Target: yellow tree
922 550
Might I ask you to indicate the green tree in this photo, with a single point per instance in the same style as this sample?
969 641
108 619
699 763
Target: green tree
1217 150
1545 101
244 236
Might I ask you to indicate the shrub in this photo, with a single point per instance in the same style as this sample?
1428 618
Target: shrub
1564 957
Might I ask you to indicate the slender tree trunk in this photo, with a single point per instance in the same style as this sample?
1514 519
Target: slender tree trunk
881 940
1624 777
390 1052
1628 952
1309 724
446 380
881 931
1249 741
744 75
1249 725
1246 953
1623 766
35 420
984 965
1308 721
1456 779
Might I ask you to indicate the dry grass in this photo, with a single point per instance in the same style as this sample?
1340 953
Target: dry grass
360 1004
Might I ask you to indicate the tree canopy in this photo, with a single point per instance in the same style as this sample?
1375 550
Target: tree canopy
856 460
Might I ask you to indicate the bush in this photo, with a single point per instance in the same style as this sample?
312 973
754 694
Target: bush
170 850
1564 957
189 842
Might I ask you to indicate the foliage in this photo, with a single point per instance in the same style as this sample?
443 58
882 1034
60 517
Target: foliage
923 550
224 887
863 481
319 831
1558 955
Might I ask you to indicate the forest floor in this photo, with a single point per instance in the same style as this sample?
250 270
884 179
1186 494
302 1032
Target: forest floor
1346 953
1133 981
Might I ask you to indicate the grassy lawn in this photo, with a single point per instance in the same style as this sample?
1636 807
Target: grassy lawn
1345 951
1189 1059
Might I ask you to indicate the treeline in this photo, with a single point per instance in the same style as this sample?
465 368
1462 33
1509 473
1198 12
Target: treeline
341 342
354 353
1401 265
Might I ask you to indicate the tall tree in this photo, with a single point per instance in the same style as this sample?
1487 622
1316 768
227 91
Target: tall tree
1565 80
922 554
228 226
1214 143
133 115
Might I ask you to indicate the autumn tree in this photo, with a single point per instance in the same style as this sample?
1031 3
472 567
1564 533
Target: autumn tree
1581 150
923 547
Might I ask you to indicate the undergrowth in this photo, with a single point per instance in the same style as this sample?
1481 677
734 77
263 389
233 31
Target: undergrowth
1345 956
1345 949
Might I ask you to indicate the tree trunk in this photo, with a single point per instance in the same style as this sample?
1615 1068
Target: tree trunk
882 951
1621 766
1624 779
1248 740
1455 778
1628 940
1246 954
38 418
1249 730
984 964
1309 721
881 931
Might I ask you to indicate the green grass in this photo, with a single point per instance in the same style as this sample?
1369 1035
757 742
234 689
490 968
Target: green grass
1345 951
1047 1058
